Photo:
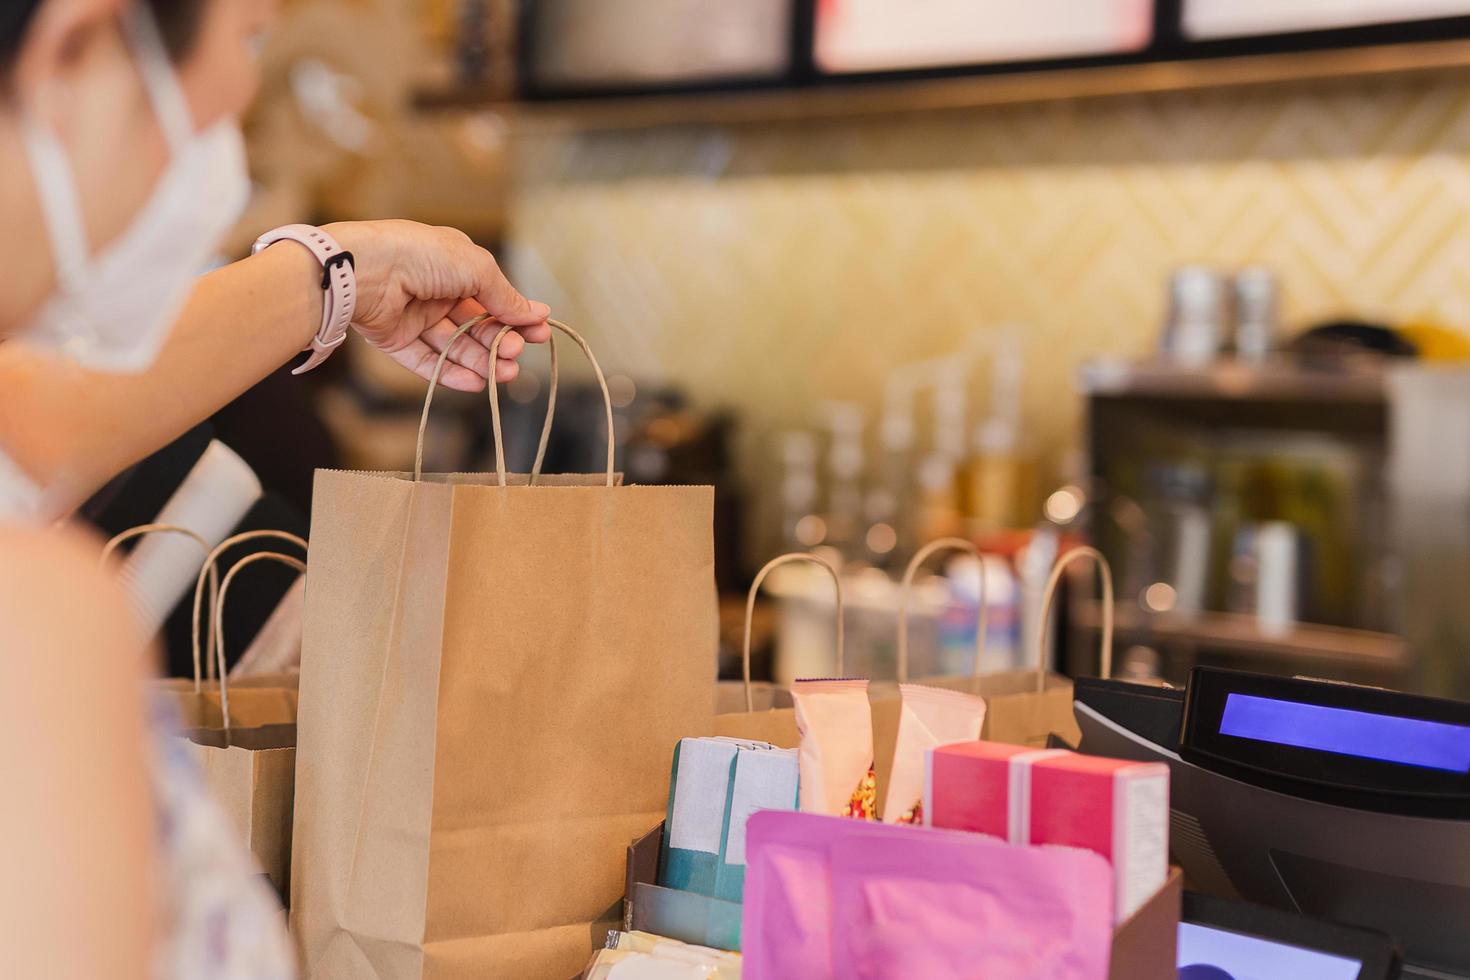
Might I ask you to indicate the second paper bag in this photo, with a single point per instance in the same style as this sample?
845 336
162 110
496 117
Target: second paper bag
494 674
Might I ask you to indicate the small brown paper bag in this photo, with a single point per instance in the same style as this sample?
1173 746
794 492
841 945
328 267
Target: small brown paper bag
1024 707
767 714
286 677
250 769
261 699
197 705
495 671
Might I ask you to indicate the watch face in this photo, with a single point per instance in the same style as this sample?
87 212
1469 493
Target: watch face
879 35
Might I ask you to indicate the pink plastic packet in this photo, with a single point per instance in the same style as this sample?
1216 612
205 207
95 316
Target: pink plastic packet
827 897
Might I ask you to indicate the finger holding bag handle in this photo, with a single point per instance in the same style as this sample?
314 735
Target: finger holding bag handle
211 564
494 396
495 399
774 563
915 563
470 324
219 612
1105 572
208 573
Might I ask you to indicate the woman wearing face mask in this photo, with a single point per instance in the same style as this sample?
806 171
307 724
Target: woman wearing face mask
120 165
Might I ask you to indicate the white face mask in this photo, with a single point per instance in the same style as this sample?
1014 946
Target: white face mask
113 310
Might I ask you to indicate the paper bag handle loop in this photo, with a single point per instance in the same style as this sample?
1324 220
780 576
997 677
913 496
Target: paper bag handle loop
207 573
418 456
211 564
219 622
933 547
494 393
1105 572
495 398
755 586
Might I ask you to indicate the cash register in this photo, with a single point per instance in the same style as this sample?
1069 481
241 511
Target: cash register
1332 800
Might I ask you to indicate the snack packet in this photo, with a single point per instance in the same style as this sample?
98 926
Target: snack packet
726 965
928 903
929 717
627 964
833 898
836 755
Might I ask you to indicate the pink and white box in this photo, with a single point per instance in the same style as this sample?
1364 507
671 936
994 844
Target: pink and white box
979 786
1117 808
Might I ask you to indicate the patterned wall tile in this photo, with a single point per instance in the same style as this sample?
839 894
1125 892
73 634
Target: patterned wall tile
770 267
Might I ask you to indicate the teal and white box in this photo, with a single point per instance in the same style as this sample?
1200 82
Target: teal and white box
761 779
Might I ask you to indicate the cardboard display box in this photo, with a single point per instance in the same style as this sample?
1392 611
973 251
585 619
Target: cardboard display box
1144 944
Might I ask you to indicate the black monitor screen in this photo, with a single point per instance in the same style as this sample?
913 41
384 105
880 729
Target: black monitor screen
1365 734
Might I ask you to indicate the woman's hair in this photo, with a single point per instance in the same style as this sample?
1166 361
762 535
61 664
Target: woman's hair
177 21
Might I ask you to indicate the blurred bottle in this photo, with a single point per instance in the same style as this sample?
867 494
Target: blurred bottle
844 477
1194 332
960 619
1265 575
1181 508
1000 478
1033 569
1257 299
801 526
889 506
939 512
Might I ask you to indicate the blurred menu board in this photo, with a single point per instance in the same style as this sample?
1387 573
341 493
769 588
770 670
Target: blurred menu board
1206 19
881 35
637 43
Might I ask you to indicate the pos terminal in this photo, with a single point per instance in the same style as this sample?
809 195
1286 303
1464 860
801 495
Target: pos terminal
1337 801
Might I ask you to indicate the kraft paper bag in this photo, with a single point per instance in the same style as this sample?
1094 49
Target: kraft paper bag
250 768
762 712
259 699
271 698
251 773
1024 707
495 671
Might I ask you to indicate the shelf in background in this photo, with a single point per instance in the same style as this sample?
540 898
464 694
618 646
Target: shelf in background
1306 646
919 95
1227 380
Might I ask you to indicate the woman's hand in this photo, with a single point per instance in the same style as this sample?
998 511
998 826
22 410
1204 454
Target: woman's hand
416 283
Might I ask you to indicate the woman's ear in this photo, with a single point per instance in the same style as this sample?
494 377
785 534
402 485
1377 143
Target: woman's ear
59 40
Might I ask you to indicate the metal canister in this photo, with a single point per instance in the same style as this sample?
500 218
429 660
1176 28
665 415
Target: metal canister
1256 300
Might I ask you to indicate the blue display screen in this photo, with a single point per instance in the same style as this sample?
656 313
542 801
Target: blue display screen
1406 741
1215 954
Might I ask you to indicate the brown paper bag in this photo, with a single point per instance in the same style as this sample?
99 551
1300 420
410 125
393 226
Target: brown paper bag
250 768
762 711
495 672
198 706
888 711
262 699
1024 707
284 678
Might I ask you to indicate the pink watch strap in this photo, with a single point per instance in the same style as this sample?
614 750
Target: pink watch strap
339 286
